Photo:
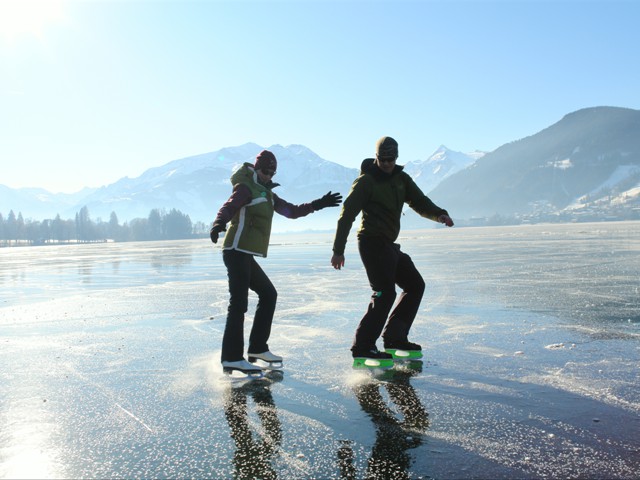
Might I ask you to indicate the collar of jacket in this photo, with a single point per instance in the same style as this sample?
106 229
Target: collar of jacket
368 166
270 184
248 172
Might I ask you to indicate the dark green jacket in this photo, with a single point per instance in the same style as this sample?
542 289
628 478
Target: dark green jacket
380 197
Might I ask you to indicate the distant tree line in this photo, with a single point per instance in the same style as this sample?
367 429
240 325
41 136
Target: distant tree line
159 225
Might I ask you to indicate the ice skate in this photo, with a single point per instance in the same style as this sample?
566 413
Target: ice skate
268 360
372 358
403 350
244 367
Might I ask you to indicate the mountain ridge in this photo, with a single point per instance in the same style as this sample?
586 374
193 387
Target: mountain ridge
550 170
585 165
198 185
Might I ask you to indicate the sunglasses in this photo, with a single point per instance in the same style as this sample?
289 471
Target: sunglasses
270 173
386 159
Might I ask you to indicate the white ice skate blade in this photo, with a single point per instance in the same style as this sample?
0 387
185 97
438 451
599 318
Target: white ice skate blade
234 373
266 365
266 360
242 367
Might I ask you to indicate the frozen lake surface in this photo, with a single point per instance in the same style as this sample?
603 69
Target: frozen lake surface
110 361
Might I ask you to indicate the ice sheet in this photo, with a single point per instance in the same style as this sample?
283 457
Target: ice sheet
110 361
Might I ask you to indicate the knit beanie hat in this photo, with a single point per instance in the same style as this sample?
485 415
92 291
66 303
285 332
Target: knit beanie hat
266 160
387 147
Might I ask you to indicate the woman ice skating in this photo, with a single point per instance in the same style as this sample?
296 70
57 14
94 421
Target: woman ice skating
249 211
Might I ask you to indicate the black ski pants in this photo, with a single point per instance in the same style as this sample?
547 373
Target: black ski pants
387 266
244 274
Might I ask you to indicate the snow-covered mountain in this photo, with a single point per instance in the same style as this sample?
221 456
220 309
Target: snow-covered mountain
587 165
441 164
191 185
199 185
620 189
37 203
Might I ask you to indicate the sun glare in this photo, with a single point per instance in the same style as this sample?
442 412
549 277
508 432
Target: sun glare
28 17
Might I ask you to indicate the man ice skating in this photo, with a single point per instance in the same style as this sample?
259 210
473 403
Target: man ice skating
250 212
380 193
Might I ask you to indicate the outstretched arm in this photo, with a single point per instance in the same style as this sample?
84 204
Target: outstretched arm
423 205
289 210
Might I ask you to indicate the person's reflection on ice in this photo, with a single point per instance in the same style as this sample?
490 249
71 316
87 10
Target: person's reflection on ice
395 434
254 452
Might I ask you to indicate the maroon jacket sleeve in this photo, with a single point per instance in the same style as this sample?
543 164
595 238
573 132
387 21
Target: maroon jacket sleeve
290 210
239 198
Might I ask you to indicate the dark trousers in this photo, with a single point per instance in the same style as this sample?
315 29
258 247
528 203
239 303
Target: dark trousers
244 273
387 267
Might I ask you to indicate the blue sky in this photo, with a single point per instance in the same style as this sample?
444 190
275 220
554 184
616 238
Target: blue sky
94 91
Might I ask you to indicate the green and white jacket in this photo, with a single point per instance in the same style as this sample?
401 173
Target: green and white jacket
250 213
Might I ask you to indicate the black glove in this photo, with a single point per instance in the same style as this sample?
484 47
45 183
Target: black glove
214 233
329 200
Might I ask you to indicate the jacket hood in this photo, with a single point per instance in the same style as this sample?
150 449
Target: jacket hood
368 166
246 173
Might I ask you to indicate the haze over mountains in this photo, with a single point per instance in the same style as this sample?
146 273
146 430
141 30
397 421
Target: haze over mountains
587 164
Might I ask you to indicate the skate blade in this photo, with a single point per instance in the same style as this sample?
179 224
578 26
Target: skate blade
264 364
404 354
242 373
382 363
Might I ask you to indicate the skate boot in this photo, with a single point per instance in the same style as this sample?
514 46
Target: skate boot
403 350
372 358
272 361
242 366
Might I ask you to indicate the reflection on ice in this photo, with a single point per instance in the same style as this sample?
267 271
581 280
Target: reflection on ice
399 425
254 449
